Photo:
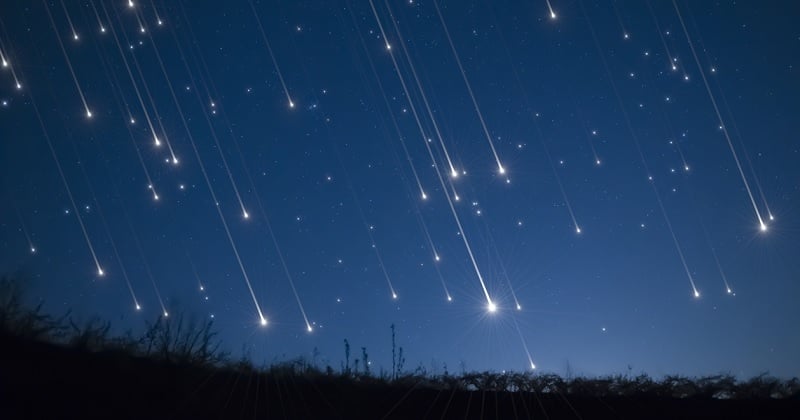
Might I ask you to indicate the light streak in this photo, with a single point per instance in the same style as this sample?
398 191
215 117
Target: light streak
271 54
500 169
550 9
66 58
762 225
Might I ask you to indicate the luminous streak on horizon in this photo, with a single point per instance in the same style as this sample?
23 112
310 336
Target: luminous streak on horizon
550 9
208 87
524 344
66 58
262 319
159 120
463 235
69 20
156 141
105 225
501 170
672 64
66 187
453 172
638 146
271 53
145 263
762 225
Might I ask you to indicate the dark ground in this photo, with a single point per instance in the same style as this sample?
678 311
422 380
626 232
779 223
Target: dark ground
40 380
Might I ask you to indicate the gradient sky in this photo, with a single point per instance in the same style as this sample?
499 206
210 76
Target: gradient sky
339 174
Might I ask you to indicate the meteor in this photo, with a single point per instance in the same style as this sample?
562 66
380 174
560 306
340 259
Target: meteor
501 170
271 54
762 225
550 8
66 57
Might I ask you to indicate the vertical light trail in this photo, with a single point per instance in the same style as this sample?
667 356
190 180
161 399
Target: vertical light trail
150 98
66 58
271 54
159 22
490 304
66 187
380 26
500 169
24 228
119 99
97 15
625 33
245 214
557 177
672 61
422 193
524 344
550 9
156 141
217 207
145 264
69 20
453 171
208 87
761 223
111 240
728 289
638 146
5 57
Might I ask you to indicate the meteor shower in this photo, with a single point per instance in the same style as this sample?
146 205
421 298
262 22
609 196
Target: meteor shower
400 208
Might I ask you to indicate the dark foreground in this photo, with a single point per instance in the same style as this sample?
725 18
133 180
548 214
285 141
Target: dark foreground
40 380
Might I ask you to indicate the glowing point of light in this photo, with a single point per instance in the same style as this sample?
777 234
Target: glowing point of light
454 174
138 308
729 291
130 3
291 104
597 162
100 272
552 15
394 296
103 29
174 161
157 141
436 257
501 169
491 307
626 36
686 168
88 114
388 46
166 314
155 197
5 63
141 29
763 227
771 217
246 215
449 298
309 329
202 288
577 230
263 322
160 22
696 294
75 37
424 196
519 307
19 86
457 197
533 367
33 250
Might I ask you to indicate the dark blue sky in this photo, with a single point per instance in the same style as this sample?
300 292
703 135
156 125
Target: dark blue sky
339 176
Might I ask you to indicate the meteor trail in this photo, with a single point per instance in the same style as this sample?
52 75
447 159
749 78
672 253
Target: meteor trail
762 225
500 169
66 58
271 54
550 9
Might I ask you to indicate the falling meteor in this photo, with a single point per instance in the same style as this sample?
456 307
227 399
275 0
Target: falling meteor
500 169
66 58
271 54
550 9
762 225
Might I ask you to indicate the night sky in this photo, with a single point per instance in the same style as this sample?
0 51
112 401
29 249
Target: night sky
626 194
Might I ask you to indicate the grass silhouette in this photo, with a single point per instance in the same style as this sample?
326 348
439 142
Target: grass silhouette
54 367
